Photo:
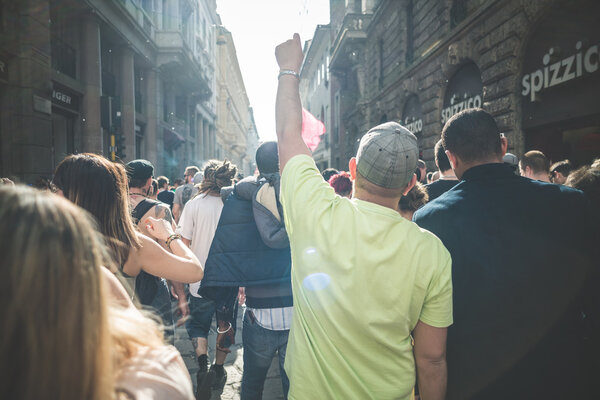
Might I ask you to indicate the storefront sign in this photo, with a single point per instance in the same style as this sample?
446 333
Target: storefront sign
412 117
464 91
584 61
560 79
457 105
65 97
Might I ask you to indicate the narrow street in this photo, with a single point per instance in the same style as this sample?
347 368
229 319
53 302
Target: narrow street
233 365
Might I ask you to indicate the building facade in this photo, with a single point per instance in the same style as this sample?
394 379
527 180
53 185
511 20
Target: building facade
315 89
532 65
236 129
123 78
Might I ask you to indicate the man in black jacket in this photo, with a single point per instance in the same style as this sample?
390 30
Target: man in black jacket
251 249
519 272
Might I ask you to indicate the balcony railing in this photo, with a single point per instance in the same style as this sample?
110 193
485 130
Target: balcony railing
354 27
177 125
64 57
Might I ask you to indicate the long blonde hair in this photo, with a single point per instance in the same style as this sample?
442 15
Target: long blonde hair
61 339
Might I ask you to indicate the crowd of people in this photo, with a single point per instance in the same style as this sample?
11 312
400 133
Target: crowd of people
475 281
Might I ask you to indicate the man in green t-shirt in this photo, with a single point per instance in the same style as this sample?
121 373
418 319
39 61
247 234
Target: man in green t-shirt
363 277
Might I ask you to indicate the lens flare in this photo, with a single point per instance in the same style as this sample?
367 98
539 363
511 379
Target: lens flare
316 281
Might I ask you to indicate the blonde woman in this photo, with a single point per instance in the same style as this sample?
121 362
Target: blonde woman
100 187
69 331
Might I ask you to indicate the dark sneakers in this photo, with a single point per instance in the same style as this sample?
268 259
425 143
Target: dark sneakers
205 380
220 377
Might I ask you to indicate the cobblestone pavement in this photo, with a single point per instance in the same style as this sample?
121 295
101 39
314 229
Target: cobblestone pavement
234 365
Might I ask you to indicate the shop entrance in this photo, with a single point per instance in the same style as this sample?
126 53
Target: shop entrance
560 85
577 140
63 136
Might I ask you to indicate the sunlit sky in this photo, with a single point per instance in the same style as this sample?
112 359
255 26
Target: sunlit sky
257 27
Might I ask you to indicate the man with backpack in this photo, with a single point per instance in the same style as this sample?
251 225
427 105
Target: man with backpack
150 290
251 249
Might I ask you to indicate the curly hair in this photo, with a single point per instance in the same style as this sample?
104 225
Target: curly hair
217 175
416 198
341 183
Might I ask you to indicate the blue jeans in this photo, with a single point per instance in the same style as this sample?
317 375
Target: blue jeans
260 346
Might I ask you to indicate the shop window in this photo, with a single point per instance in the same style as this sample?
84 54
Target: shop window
139 141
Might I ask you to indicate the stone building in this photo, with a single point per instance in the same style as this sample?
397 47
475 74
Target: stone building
314 89
237 138
123 78
532 65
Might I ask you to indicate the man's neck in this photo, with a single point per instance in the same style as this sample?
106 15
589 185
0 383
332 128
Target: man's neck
138 192
460 170
447 175
541 177
382 201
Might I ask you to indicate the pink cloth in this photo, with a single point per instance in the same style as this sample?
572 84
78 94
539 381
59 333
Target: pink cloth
155 374
312 129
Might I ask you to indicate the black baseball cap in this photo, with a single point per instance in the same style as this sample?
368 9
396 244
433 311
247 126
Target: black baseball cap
139 169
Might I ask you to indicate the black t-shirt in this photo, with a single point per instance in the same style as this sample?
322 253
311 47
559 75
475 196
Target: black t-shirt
166 196
439 187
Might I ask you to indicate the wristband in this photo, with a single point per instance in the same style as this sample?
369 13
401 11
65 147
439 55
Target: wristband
171 238
226 330
288 72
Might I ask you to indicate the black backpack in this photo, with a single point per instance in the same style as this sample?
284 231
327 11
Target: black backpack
146 285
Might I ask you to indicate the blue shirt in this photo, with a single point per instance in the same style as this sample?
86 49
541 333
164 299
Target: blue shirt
519 260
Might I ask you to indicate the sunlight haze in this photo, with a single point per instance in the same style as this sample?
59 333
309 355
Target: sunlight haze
257 27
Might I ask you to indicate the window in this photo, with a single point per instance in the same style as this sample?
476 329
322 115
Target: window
410 51
180 107
461 9
138 84
139 140
336 118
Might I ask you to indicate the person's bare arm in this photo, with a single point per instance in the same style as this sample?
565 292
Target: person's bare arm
164 212
183 309
288 107
430 357
176 212
181 266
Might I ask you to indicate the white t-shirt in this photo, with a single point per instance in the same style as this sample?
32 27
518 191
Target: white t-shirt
198 223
